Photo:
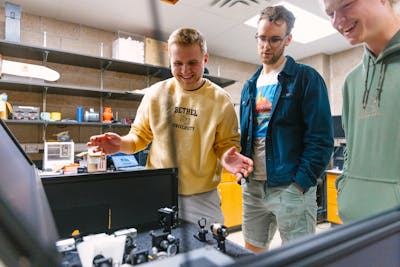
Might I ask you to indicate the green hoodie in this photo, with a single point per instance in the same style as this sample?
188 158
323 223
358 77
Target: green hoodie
371 174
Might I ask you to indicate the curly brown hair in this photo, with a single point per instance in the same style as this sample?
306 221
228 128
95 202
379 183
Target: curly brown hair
276 14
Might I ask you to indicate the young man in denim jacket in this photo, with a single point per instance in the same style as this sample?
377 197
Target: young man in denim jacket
286 128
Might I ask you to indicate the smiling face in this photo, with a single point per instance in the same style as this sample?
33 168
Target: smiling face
187 65
357 20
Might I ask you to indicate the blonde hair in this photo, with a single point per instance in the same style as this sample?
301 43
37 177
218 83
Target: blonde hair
186 37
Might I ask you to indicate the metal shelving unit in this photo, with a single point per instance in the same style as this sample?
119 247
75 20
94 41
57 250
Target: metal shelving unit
49 55
64 57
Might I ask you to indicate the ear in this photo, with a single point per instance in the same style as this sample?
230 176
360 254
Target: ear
288 39
205 58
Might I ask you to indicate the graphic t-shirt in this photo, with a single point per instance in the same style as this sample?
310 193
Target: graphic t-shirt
265 92
266 87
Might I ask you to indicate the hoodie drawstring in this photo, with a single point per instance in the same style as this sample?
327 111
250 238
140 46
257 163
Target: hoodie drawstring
380 83
366 87
378 88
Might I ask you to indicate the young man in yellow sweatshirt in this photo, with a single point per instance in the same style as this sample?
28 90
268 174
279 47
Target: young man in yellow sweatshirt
191 124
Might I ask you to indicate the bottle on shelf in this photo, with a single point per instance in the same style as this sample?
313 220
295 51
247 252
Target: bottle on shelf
107 114
79 114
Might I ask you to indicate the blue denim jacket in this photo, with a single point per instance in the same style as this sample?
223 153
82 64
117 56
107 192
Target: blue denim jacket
299 141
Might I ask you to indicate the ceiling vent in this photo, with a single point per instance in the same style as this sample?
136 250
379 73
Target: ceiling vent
233 2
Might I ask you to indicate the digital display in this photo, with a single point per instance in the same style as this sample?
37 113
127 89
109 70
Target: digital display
124 161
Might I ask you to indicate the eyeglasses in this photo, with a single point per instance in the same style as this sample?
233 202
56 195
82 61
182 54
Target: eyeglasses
274 41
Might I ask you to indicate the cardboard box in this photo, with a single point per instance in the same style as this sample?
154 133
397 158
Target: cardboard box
156 53
5 110
71 168
96 161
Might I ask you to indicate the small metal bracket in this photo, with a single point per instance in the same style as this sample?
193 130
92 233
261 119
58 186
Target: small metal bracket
45 56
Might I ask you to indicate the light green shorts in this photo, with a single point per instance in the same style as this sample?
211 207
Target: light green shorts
284 208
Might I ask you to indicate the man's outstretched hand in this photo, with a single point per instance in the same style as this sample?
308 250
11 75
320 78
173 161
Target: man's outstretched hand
108 143
237 164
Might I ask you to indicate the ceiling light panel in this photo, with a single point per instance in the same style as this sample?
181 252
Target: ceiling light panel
308 27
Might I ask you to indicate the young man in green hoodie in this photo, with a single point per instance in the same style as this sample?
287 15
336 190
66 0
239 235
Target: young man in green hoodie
371 95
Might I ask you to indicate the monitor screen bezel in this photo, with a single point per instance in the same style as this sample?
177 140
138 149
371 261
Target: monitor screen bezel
15 141
22 235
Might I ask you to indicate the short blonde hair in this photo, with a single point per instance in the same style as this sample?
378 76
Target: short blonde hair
186 37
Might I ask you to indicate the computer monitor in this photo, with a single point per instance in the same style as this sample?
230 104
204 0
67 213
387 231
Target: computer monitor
338 131
27 229
374 241
105 202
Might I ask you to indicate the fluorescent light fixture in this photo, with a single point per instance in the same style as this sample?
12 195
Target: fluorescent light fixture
307 27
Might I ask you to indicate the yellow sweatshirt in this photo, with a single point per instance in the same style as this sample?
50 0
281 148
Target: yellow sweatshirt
204 125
